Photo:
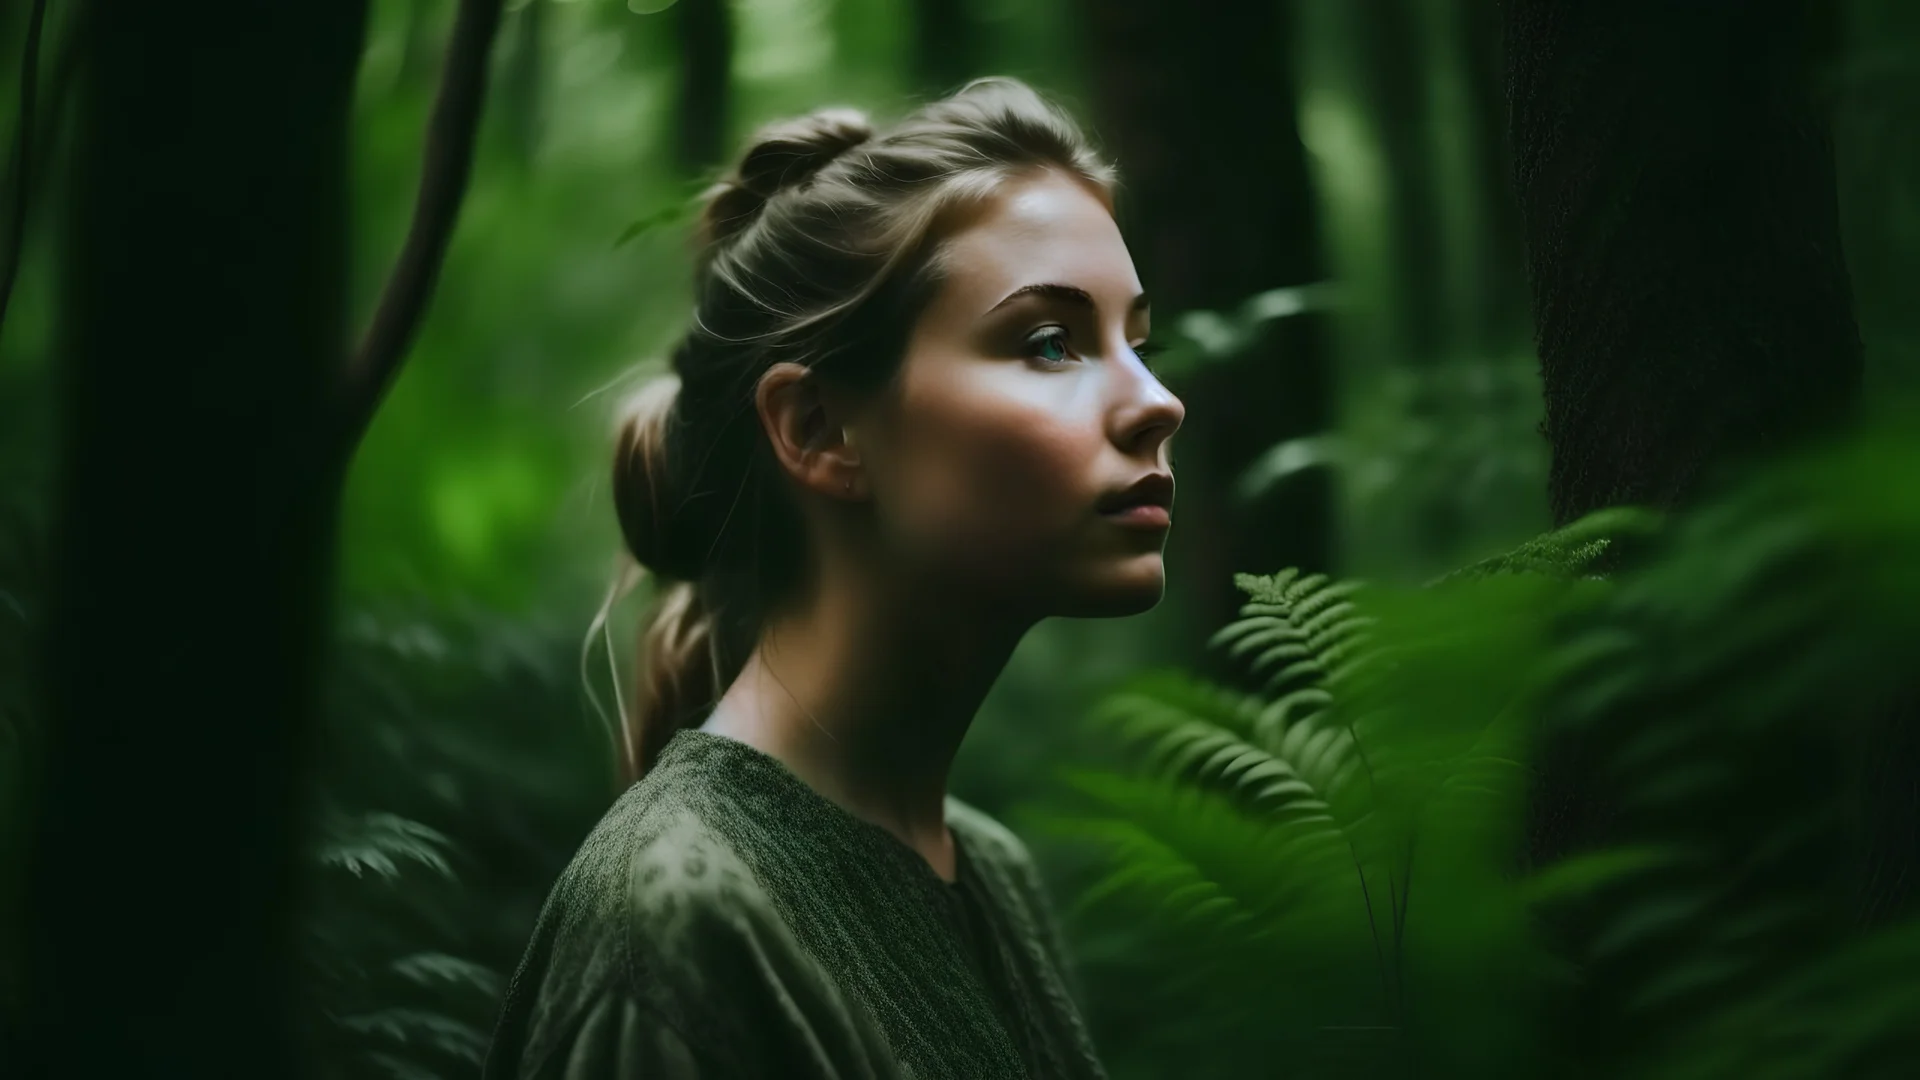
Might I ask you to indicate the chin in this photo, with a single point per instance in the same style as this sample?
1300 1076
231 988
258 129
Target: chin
1114 591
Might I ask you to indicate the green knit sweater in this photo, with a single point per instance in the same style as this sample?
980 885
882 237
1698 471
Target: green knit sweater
727 920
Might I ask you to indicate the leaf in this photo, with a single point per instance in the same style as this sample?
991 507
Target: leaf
378 843
1286 460
666 215
1211 337
417 1027
1583 875
441 970
683 205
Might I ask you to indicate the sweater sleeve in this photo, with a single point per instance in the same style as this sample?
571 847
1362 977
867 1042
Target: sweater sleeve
617 1038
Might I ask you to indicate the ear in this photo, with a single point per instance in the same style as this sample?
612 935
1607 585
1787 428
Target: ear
806 427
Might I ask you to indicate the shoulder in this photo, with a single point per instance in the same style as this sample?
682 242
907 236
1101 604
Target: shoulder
578 979
709 953
987 838
688 898
660 936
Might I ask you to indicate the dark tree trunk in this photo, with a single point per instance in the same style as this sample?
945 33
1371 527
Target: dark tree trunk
201 343
945 45
1878 88
704 31
1676 190
1692 305
1198 104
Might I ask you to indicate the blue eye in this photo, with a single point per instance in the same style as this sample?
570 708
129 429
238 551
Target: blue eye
1050 345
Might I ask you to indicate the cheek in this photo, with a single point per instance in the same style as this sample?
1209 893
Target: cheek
988 478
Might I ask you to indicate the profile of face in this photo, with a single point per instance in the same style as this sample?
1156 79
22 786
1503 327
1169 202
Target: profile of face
1022 451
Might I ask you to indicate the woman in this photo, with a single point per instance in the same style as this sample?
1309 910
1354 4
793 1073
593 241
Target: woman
910 421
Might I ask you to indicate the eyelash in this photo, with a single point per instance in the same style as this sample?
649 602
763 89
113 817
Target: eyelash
1146 350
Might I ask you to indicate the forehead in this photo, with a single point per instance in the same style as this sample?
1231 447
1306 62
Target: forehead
1040 227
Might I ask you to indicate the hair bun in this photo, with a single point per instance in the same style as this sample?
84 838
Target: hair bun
783 155
646 486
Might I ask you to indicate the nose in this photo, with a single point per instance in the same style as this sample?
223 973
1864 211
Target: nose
1146 413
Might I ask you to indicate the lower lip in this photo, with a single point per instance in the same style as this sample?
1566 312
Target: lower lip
1142 517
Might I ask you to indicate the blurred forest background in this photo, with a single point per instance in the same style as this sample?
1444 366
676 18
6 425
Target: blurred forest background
1320 196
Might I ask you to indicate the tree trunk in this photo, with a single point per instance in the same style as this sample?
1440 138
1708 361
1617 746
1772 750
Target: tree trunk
1198 104
1676 190
704 31
201 343
1692 306
945 45
1879 165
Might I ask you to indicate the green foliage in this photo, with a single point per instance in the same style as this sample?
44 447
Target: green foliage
379 843
1435 461
1203 338
460 770
1361 806
1571 551
1272 838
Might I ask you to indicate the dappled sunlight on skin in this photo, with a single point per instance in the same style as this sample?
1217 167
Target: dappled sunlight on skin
1018 408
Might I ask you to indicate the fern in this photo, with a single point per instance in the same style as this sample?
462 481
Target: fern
1722 692
1267 835
429 1031
1379 756
439 970
428 868
379 843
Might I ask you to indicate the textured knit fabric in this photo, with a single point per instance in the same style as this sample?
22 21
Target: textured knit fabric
727 920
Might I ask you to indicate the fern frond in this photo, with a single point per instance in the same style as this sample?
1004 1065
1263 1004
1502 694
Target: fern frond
399 1068
1149 706
1170 838
418 1027
440 970
378 843
1188 731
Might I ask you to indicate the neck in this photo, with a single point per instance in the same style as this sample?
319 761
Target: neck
866 691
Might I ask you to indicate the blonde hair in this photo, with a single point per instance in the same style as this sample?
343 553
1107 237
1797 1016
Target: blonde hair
819 248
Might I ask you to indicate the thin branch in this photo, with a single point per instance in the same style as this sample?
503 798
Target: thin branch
22 151
451 135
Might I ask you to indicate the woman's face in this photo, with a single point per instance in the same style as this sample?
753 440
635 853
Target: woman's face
1023 424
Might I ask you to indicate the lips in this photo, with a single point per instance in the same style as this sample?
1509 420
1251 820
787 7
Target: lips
1146 503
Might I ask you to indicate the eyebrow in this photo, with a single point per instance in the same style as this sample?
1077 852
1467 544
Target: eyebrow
1066 294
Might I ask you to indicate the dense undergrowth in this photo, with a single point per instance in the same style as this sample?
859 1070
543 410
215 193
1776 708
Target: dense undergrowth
1535 820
